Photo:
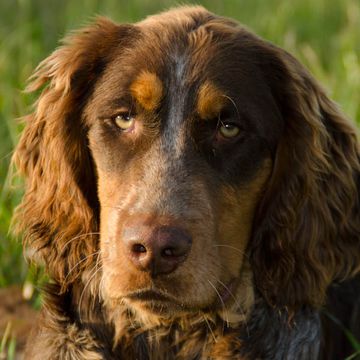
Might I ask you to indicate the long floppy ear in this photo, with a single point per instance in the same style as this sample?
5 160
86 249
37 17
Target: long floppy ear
59 211
307 232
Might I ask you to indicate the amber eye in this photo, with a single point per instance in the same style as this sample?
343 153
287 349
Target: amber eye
229 130
125 121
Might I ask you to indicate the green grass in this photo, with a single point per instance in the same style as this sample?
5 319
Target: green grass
323 34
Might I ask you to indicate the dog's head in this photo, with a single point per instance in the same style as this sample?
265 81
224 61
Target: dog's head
191 161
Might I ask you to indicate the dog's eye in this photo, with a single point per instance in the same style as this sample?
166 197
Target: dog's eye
229 130
125 121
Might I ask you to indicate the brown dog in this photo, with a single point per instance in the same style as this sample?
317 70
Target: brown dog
192 191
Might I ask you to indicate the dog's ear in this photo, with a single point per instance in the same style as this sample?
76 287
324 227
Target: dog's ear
307 231
58 214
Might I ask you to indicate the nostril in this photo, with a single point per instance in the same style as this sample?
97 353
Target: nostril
168 252
138 248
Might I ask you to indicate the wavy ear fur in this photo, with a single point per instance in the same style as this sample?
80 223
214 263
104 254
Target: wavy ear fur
307 232
59 211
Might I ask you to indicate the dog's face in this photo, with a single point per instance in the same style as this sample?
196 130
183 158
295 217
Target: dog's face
209 161
181 135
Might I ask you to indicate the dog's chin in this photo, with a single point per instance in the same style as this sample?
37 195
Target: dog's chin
162 309
156 311
151 307
163 305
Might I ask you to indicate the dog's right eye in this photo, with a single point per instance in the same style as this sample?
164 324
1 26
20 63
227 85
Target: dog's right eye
229 131
125 121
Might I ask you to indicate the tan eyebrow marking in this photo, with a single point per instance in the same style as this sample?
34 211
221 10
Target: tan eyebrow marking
147 89
210 101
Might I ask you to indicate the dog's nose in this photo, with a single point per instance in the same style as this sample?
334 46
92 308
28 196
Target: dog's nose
158 250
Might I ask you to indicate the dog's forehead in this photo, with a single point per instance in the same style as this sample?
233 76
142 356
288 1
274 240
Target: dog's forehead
190 64
184 56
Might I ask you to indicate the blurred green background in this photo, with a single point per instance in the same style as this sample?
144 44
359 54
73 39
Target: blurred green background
323 34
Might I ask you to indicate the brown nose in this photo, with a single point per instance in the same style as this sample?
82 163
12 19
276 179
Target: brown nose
158 250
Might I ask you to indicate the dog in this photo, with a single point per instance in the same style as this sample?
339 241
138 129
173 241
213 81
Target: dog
192 193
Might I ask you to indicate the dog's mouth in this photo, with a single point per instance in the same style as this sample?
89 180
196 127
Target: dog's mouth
155 298
152 295
156 301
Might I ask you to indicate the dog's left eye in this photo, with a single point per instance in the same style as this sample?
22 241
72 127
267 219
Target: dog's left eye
124 121
229 130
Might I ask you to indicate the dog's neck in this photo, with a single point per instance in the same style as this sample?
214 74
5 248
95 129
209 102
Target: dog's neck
117 329
118 334
134 333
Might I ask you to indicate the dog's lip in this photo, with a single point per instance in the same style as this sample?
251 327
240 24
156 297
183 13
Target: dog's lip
150 295
224 294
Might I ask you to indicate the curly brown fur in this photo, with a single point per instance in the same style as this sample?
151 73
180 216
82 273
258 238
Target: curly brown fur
185 124
312 198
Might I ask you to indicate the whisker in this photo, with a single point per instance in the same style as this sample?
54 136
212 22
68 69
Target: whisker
98 260
211 331
237 303
233 102
97 284
222 302
230 292
79 262
77 237
233 248
85 287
